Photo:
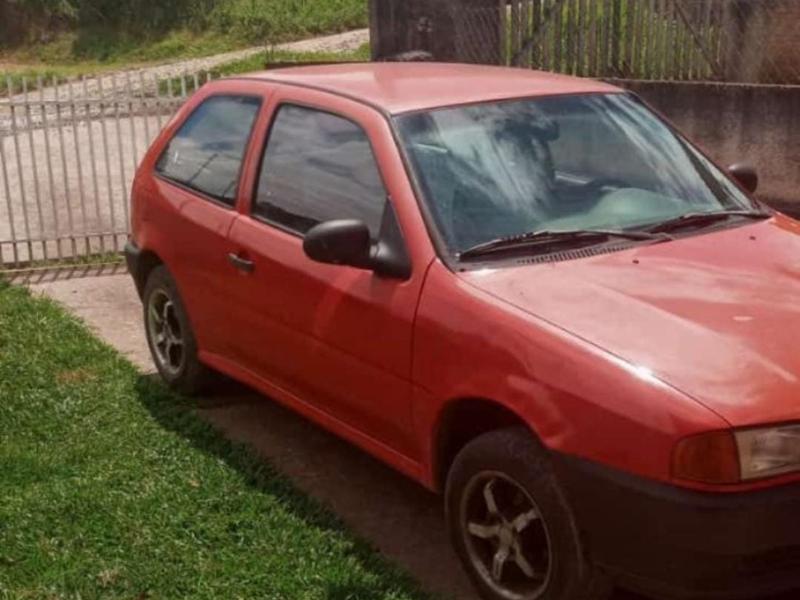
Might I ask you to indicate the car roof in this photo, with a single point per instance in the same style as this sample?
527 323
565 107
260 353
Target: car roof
403 87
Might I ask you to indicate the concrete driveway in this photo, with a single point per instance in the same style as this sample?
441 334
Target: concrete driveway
402 520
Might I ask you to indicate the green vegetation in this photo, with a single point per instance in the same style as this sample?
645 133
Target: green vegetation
134 31
69 38
112 487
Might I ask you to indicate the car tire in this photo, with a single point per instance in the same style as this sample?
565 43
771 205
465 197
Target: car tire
170 336
530 530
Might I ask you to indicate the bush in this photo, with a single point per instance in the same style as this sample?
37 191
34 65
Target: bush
278 20
253 19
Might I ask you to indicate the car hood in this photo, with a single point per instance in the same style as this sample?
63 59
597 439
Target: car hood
716 315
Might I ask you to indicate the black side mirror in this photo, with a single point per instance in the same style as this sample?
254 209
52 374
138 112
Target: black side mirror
746 175
342 242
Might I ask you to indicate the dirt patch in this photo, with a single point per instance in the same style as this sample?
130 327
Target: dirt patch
75 376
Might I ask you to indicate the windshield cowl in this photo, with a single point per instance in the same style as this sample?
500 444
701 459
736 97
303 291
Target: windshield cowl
544 241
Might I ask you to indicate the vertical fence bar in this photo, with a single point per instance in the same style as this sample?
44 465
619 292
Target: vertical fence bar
662 40
572 36
145 107
616 34
79 168
722 43
50 177
652 56
34 167
64 170
691 44
538 49
158 100
713 51
545 21
524 31
602 40
592 16
93 163
23 194
132 122
629 40
502 19
680 43
673 44
121 151
9 204
640 39
582 41
704 69
515 26
109 187
558 37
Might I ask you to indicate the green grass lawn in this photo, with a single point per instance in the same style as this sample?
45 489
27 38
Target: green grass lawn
111 487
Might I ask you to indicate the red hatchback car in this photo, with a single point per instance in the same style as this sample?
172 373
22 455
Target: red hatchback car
524 290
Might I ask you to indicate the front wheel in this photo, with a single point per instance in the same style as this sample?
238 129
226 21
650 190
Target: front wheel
511 525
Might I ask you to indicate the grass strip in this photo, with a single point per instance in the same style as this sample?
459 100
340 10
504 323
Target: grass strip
112 487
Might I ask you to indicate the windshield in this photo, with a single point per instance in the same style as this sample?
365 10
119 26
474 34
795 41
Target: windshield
599 161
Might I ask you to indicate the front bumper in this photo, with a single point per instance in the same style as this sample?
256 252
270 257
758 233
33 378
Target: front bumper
680 544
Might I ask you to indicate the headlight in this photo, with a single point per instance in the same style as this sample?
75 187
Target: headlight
768 452
731 457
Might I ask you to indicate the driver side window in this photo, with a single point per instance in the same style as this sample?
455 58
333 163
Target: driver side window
318 167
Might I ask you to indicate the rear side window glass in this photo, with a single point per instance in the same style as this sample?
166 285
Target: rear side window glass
318 167
206 154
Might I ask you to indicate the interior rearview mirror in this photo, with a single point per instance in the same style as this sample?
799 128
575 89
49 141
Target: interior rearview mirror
341 242
746 175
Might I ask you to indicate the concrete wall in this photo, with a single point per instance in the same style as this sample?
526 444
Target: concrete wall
756 124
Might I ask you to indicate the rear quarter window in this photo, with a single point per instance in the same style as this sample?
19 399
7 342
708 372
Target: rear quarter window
207 151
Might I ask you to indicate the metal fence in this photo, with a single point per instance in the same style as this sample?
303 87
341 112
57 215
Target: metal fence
722 40
68 154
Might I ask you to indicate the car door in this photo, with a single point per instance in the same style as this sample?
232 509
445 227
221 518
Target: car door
337 338
197 179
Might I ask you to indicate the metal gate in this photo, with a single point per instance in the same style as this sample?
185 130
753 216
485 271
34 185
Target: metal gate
68 154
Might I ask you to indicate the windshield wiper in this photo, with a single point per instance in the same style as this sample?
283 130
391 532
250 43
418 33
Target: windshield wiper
705 218
546 237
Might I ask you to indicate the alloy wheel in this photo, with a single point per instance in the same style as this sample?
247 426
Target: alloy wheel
506 537
165 331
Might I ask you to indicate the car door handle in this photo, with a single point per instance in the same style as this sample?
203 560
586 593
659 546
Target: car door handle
243 264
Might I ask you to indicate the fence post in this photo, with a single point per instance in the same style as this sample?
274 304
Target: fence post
616 38
450 30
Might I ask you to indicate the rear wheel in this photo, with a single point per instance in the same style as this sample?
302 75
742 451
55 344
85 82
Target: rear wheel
511 525
170 336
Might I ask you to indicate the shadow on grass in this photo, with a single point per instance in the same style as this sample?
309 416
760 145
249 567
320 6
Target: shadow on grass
182 416
281 453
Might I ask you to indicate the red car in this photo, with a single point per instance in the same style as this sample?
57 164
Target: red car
525 291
